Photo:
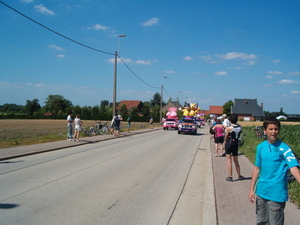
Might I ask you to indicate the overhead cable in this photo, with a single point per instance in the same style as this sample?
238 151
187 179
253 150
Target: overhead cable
55 31
136 75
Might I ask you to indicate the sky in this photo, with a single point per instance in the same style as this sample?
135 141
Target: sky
206 52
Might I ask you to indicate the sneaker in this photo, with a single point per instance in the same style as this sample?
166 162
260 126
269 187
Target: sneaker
241 177
229 178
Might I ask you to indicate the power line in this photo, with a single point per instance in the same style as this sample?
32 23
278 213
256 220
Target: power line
136 74
86 46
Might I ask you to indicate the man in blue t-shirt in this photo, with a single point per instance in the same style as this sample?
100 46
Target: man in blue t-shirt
273 160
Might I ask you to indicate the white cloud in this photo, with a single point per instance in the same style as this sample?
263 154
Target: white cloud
98 27
169 71
150 22
60 56
57 48
144 62
206 58
250 63
42 9
237 68
295 73
112 60
275 72
237 55
286 81
221 73
295 92
276 61
267 85
188 58
269 77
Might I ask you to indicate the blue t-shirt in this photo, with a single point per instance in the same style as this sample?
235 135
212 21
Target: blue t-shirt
274 160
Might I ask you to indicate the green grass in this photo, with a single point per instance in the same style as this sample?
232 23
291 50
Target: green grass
290 134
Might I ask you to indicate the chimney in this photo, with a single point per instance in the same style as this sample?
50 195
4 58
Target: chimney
262 105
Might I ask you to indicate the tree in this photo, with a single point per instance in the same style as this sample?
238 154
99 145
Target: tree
32 106
123 112
227 107
54 103
156 100
104 103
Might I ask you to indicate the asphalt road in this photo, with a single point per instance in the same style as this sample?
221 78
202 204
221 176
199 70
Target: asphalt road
133 180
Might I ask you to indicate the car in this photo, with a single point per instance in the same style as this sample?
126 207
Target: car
187 125
170 123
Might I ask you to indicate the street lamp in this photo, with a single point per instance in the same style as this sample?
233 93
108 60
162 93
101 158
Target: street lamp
161 100
115 77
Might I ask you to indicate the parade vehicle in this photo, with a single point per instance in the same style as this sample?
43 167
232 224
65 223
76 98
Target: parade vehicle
172 120
187 125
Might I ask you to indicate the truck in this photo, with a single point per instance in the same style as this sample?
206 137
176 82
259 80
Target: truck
187 125
171 121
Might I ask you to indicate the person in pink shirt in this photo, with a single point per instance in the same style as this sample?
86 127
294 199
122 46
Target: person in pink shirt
219 129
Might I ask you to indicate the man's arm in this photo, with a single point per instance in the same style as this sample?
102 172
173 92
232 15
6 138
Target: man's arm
255 173
296 173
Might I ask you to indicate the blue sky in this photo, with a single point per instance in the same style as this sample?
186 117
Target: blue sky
210 51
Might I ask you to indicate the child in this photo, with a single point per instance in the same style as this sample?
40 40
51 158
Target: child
273 159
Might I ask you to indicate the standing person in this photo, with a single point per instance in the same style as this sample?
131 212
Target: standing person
78 124
128 124
273 160
219 129
231 147
112 126
226 121
117 123
70 130
151 123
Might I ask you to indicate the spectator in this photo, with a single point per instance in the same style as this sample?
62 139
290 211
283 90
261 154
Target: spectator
128 124
117 123
78 124
269 176
70 130
231 147
219 130
151 123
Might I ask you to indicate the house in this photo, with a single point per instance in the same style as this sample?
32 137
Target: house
247 109
213 111
175 104
131 104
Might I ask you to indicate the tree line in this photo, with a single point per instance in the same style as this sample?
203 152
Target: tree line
57 107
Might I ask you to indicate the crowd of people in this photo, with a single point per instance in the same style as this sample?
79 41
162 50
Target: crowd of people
226 133
114 126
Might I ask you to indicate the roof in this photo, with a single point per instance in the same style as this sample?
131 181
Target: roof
214 109
175 104
129 104
247 106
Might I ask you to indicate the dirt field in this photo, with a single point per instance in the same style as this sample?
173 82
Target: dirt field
22 129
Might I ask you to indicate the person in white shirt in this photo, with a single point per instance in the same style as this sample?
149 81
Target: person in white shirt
226 121
78 124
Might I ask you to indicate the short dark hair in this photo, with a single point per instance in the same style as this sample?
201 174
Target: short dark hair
271 120
233 118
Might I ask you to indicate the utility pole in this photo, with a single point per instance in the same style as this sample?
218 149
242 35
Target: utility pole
115 85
